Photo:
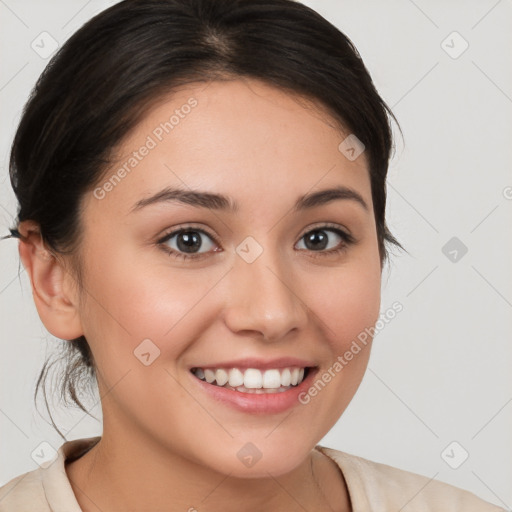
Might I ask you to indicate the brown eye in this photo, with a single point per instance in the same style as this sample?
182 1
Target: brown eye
187 243
326 240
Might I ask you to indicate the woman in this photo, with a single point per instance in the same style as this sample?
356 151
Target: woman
202 216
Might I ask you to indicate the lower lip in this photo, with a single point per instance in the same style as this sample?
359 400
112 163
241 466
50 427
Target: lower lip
261 403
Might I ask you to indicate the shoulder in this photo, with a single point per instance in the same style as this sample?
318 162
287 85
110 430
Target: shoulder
46 488
24 493
373 485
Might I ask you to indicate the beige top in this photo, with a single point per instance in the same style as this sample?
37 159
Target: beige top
372 487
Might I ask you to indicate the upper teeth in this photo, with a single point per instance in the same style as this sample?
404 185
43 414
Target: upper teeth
252 378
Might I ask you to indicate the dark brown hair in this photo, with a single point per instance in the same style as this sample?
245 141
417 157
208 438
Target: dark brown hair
106 76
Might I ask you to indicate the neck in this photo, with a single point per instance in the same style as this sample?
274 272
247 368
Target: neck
121 473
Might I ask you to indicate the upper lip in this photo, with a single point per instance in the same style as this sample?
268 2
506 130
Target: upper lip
258 363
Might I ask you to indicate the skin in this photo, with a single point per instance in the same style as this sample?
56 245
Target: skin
264 148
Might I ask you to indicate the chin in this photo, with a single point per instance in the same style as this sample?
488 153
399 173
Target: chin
257 459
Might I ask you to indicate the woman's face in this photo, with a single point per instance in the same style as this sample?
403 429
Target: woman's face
264 287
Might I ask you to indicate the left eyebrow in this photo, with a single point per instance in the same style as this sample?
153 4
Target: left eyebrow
213 201
326 196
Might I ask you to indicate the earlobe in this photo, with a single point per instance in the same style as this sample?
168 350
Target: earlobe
56 304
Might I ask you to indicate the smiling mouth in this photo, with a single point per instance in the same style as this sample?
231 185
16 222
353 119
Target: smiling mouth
253 380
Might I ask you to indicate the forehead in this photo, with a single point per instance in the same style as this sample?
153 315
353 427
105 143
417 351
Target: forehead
243 138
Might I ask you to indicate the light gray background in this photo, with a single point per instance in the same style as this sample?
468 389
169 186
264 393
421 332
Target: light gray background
440 371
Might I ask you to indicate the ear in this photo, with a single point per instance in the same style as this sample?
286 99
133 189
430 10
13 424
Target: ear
53 287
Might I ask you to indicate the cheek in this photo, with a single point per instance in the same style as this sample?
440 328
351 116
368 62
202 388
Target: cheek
346 301
354 309
346 304
129 301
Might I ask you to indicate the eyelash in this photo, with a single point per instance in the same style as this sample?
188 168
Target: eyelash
346 241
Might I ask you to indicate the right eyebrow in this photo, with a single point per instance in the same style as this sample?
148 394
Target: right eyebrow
196 198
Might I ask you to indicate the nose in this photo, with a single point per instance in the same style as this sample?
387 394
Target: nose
262 302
